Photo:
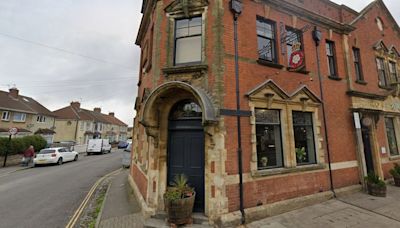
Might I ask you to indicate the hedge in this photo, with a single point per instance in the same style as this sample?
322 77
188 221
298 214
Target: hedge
19 145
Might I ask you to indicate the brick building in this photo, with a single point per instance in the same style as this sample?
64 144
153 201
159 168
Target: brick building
186 99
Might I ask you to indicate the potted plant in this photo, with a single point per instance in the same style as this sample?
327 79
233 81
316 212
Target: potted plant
375 185
395 172
179 201
301 154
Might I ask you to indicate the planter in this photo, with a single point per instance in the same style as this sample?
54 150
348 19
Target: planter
180 211
396 181
376 190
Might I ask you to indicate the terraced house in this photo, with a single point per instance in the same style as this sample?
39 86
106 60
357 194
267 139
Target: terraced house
303 108
26 114
79 125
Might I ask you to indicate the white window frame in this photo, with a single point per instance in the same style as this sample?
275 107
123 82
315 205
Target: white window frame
23 115
40 119
5 116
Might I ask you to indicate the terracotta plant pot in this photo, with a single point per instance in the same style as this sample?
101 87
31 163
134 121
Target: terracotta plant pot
396 181
376 190
180 211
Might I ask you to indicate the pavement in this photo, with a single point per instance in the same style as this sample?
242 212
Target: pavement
120 208
356 210
11 169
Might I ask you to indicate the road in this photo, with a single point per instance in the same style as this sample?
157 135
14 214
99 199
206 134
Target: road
48 196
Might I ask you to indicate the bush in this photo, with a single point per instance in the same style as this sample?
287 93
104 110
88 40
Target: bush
19 145
395 171
374 179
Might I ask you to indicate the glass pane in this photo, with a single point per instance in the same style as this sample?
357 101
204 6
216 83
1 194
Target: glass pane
269 146
304 138
196 30
196 21
267 116
391 136
292 37
266 49
182 32
184 23
186 109
188 50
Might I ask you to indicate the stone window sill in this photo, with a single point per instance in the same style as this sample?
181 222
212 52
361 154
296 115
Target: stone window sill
280 171
336 78
269 64
394 157
362 82
385 87
185 69
302 71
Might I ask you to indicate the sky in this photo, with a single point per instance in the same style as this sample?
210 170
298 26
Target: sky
81 50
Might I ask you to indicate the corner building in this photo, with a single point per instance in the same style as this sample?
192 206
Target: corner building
185 120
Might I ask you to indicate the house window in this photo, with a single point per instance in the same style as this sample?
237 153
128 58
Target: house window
5 116
357 65
40 119
304 138
293 41
19 117
391 136
269 142
266 40
382 72
393 71
330 53
188 40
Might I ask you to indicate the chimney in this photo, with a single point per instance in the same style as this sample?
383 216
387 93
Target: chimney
76 105
111 114
98 110
14 92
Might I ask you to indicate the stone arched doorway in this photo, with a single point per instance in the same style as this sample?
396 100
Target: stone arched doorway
185 148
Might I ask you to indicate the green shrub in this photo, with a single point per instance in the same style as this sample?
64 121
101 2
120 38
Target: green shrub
395 171
19 145
374 179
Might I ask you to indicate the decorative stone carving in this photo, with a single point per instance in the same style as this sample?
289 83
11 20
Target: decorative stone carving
186 6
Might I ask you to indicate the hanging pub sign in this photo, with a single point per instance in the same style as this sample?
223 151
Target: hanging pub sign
296 60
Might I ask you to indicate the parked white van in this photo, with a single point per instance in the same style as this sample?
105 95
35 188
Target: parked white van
98 146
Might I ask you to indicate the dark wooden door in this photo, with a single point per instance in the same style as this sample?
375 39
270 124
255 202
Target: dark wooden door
367 149
186 156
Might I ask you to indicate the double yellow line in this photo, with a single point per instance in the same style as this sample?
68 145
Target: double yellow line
81 207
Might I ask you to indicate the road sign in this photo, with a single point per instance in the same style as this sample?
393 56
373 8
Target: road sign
13 131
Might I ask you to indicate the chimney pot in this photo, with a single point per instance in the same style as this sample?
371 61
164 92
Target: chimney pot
14 92
76 104
98 110
111 114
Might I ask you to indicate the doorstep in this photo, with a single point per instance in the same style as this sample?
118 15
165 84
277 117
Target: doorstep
160 221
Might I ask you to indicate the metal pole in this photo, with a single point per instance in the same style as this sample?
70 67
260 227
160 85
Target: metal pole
324 116
9 148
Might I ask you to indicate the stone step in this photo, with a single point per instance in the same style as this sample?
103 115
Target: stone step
160 220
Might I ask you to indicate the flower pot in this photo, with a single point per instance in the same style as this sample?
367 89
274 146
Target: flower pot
376 190
180 211
396 181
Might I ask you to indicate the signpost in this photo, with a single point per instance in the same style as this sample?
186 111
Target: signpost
12 131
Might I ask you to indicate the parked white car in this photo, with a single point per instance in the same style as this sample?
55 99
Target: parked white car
55 155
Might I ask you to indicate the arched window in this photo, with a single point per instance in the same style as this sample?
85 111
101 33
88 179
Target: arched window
185 109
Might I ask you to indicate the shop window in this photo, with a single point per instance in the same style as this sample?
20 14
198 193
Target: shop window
391 136
393 71
188 40
357 65
304 138
5 116
269 139
331 57
383 81
266 39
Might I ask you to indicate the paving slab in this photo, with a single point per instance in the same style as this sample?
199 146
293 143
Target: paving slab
330 214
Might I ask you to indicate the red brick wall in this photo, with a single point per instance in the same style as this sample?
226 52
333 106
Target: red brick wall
140 180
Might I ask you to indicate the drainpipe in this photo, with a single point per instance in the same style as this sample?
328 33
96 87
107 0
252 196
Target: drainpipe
317 37
236 8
